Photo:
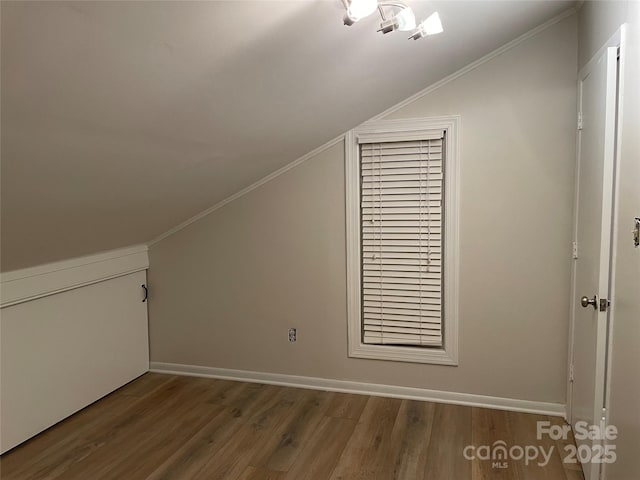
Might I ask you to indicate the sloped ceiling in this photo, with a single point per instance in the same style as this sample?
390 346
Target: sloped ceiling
122 119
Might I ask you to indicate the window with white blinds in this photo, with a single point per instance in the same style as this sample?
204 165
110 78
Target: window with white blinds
402 209
401 216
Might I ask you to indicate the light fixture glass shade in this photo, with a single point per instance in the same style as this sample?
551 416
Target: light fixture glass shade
406 19
432 25
358 9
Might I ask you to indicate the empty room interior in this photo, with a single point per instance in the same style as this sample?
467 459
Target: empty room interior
320 240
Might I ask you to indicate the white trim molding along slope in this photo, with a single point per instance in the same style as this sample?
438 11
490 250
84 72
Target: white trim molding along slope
393 391
28 284
472 66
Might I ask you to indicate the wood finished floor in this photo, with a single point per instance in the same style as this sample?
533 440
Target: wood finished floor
169 427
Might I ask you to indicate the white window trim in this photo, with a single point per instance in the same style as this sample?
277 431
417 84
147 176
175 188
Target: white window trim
448 354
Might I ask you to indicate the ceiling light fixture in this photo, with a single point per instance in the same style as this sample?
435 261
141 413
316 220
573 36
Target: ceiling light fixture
405 19
430 26
395 16
358 9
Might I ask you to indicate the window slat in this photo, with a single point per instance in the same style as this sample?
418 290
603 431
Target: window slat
419 269
374 253
388 286
376 177
412 330
376 190
383 293
403 260
390 147
424 316
400 168
398 183
399 194
435 310
405 232
398 242
434 325
409 340
405 277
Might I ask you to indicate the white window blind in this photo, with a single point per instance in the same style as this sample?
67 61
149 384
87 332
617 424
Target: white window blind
401 201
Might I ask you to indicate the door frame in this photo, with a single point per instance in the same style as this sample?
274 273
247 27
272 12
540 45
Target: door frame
622 31
614 98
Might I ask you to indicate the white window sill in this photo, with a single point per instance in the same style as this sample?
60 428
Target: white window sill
437 356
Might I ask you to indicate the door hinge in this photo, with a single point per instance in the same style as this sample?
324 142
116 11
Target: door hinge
574 250
604 304
579 120
571 372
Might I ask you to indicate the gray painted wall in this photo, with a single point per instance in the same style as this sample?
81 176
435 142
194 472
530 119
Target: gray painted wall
226 288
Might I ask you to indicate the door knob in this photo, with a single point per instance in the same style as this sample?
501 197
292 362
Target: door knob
586 301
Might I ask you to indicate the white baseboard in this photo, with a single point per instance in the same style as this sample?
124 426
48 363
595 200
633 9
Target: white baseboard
315 383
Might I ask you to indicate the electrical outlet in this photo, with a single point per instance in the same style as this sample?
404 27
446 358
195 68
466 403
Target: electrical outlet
292 334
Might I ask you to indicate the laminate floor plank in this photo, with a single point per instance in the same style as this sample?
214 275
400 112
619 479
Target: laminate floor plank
167 427
364 455
161 440
450 433
490 430
144 384
410 440
547 464
232 394
347 405
252 473
234 457
320 455
224 430
280 450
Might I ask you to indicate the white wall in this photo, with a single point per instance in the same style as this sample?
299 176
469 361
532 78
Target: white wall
227 287
598 21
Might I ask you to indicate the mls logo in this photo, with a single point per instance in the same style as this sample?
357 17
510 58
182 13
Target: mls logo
499 455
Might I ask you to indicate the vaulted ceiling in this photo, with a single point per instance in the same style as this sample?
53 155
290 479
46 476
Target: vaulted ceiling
122 119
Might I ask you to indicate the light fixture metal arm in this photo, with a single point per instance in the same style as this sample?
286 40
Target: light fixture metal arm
392 4
381 11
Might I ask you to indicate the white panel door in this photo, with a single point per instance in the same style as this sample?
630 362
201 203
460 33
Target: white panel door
593 237
62 352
